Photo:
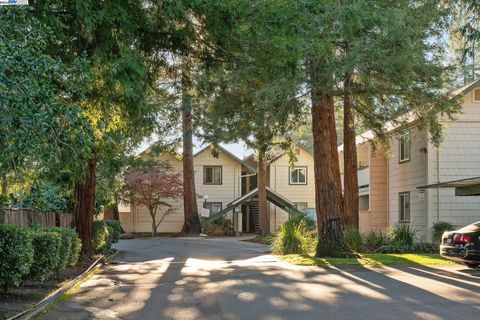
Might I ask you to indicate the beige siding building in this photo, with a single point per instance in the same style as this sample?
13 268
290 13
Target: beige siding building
389 183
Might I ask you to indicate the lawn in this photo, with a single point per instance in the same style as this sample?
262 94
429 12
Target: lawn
368 259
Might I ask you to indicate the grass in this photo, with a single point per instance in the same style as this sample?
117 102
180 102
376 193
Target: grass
368 259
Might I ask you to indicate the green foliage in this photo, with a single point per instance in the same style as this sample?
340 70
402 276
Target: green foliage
43 130
100 236
302 218
4 200
69 248
116 229
16 254
292 238
374 240
403 248
220 227
44 197
439 228
46 247
402 234
354 240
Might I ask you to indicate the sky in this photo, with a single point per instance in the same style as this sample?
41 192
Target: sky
238 149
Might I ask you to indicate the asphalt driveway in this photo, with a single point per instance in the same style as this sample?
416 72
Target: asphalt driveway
188 278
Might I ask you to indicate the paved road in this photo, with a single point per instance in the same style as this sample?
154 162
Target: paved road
170 278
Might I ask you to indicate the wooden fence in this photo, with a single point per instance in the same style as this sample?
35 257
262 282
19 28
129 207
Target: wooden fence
23 217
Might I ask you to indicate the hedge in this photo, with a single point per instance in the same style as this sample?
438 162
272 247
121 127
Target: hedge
35 253
116 228
70 248
16 254
100 236
47 254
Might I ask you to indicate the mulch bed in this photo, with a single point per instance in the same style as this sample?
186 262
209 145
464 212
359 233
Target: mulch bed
31 292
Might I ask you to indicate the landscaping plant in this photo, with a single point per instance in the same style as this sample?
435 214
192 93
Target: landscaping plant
16 255
116 229
292 238
439 228
100 236
46 247
402 234
354 239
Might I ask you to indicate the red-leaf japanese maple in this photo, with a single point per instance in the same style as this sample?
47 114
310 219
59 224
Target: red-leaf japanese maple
154 187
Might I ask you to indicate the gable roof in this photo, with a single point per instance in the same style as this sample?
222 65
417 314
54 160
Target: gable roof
229 154
367 135
281 154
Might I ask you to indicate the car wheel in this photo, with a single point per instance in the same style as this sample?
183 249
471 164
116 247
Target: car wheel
472 265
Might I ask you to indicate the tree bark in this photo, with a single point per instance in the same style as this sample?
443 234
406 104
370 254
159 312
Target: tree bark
84 207
263 218
328 199
350 158
191 225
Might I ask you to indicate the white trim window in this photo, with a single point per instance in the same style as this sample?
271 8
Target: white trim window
404 147
298 175
301 206
404 206
213 207
212 175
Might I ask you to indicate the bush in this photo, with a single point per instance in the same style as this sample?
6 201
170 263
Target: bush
75 247
219 227
46 247
402 234
354 240
100 236
293 238
298 218
70 247
16 254
109 240
116 229
374 240
439 228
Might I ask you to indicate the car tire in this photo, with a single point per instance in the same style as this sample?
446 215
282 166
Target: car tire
472 265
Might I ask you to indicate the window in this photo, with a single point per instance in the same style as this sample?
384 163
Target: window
298 175
214 207
476 95
301 206
404 152
404 206
212 175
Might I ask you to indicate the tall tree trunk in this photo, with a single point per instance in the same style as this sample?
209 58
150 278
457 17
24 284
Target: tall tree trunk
328 199
84 207
332 122
264 221
191 225
350 158
4 184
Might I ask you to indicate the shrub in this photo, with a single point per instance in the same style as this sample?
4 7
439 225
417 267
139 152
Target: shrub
75 246
116 228
109 240
374 240
292 238
402 234
70 247
219 227
298 218
16 254
46 247
354 240
99 235
439 228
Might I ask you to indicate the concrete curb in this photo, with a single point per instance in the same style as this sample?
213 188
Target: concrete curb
52 297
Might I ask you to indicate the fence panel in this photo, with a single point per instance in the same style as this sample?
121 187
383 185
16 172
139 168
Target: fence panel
24 217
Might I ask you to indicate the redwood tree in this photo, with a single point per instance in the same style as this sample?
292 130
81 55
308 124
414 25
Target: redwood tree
154 188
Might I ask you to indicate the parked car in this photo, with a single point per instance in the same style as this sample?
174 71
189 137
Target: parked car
462 245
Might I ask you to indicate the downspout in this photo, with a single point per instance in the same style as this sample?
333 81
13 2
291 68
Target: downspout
387 159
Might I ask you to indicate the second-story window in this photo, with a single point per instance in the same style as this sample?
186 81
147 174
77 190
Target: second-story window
298 175
404 152
212 175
